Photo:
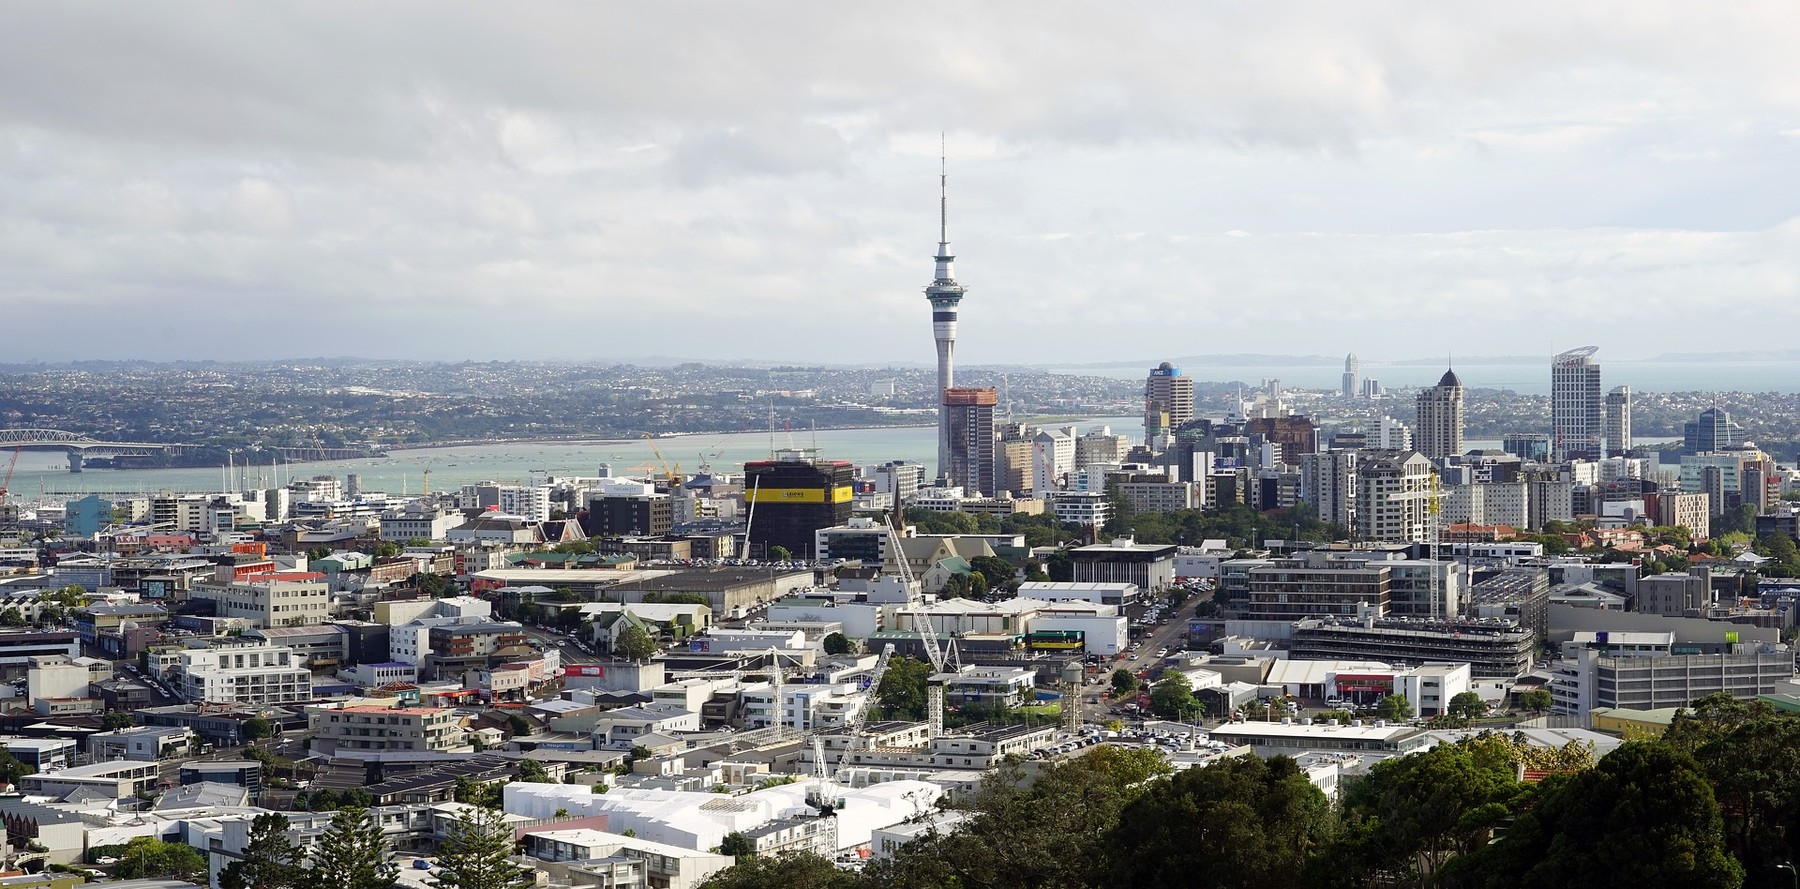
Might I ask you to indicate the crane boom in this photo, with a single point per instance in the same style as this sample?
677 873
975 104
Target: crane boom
6 483
669 473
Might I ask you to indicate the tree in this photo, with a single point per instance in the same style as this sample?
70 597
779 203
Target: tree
1239 821
1394 708
780 554
634 644
476 853
533 772
1060 566
901 694
476 793
12 617
270 860
518 724
1536 700
352 854
1172 697
838 643
1644 816
147 858
1411 814
1124 682
1467 705
433 585
256 728
998 572
115 720
318 552
797 870
737 845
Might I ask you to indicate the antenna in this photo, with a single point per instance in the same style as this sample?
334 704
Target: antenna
943 189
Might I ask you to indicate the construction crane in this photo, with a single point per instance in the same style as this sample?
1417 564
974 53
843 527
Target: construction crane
6 483
672 473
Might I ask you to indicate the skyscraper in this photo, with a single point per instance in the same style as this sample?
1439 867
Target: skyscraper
945 295
1618 421
971 437
1713 431
1577 408
1439 428
1168 401
1351 371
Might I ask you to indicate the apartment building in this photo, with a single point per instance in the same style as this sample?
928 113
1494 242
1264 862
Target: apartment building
1316 586
339 728
242 674
291 599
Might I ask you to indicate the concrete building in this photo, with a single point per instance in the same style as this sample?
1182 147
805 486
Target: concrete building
969 433
1618 421
792 497
337 728
1352 372
1151 567
1439 429
242 674
1328 483
1168 403
1268 739
111 780
1115 594
1577 408
1393 494
418 522
1316 586
292 599
143 743
1493 649
1592 679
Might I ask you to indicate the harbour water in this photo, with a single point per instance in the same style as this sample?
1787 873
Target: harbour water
402 472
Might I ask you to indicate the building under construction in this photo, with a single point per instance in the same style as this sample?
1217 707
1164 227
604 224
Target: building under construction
792 496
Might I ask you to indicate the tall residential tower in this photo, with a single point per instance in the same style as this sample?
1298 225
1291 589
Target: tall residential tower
1618 421
1577 406
1352 371
944 294
1439 432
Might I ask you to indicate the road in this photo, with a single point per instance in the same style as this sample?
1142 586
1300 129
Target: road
1171 635
571 654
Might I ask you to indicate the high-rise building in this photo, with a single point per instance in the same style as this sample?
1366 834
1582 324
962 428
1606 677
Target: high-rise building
945 295
1393 496
793 496
970 430
1394 436
1328 482
1168 402
1439 435
1532 447
1714 431
1351 371
1577 408
1618 421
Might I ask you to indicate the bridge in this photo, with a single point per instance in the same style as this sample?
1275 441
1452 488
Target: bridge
79 447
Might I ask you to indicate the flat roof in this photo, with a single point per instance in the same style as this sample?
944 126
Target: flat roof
1365 732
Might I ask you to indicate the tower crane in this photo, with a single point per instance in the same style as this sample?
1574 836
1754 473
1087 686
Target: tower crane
672 474
6 483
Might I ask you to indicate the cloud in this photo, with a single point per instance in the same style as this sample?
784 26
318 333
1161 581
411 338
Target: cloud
1410 172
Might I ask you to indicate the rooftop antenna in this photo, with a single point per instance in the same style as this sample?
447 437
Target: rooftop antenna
943 188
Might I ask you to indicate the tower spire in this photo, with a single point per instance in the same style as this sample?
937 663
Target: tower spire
943 190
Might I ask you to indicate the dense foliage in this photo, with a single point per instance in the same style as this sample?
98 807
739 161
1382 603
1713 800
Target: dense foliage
1713 804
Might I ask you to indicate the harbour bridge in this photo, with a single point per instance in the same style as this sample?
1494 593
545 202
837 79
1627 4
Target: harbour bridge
79 447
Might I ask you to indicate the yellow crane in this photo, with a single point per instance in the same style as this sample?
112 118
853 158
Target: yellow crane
672 473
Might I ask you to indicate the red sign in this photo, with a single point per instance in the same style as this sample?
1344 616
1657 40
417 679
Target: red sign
587 670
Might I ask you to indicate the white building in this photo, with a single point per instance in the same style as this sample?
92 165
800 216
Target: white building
1116 594
1052 460
418 522
270 600
242 674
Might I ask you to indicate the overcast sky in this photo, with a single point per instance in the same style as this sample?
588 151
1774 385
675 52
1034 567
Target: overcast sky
759 180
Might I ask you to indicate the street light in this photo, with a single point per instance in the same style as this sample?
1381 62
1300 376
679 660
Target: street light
1792 873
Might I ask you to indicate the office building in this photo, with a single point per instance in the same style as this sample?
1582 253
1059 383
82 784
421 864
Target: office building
898 481
1592 679
1577 408
292 599
529 502
1328 483
1439 427
1168 402
1315 586
1150 566
623 512
969 427
945 295
1351 371
1713 431
794 495
1618 421
362 727
1532 447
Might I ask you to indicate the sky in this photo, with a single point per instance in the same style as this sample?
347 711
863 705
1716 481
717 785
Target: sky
721 181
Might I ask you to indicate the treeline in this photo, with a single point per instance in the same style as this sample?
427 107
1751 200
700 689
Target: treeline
1238 525
1714 804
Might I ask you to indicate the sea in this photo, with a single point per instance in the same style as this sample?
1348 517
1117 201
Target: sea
45 475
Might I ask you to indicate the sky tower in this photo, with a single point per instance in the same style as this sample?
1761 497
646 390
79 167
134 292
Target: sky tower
944 295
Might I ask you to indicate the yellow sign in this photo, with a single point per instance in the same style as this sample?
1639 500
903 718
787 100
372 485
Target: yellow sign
841 494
